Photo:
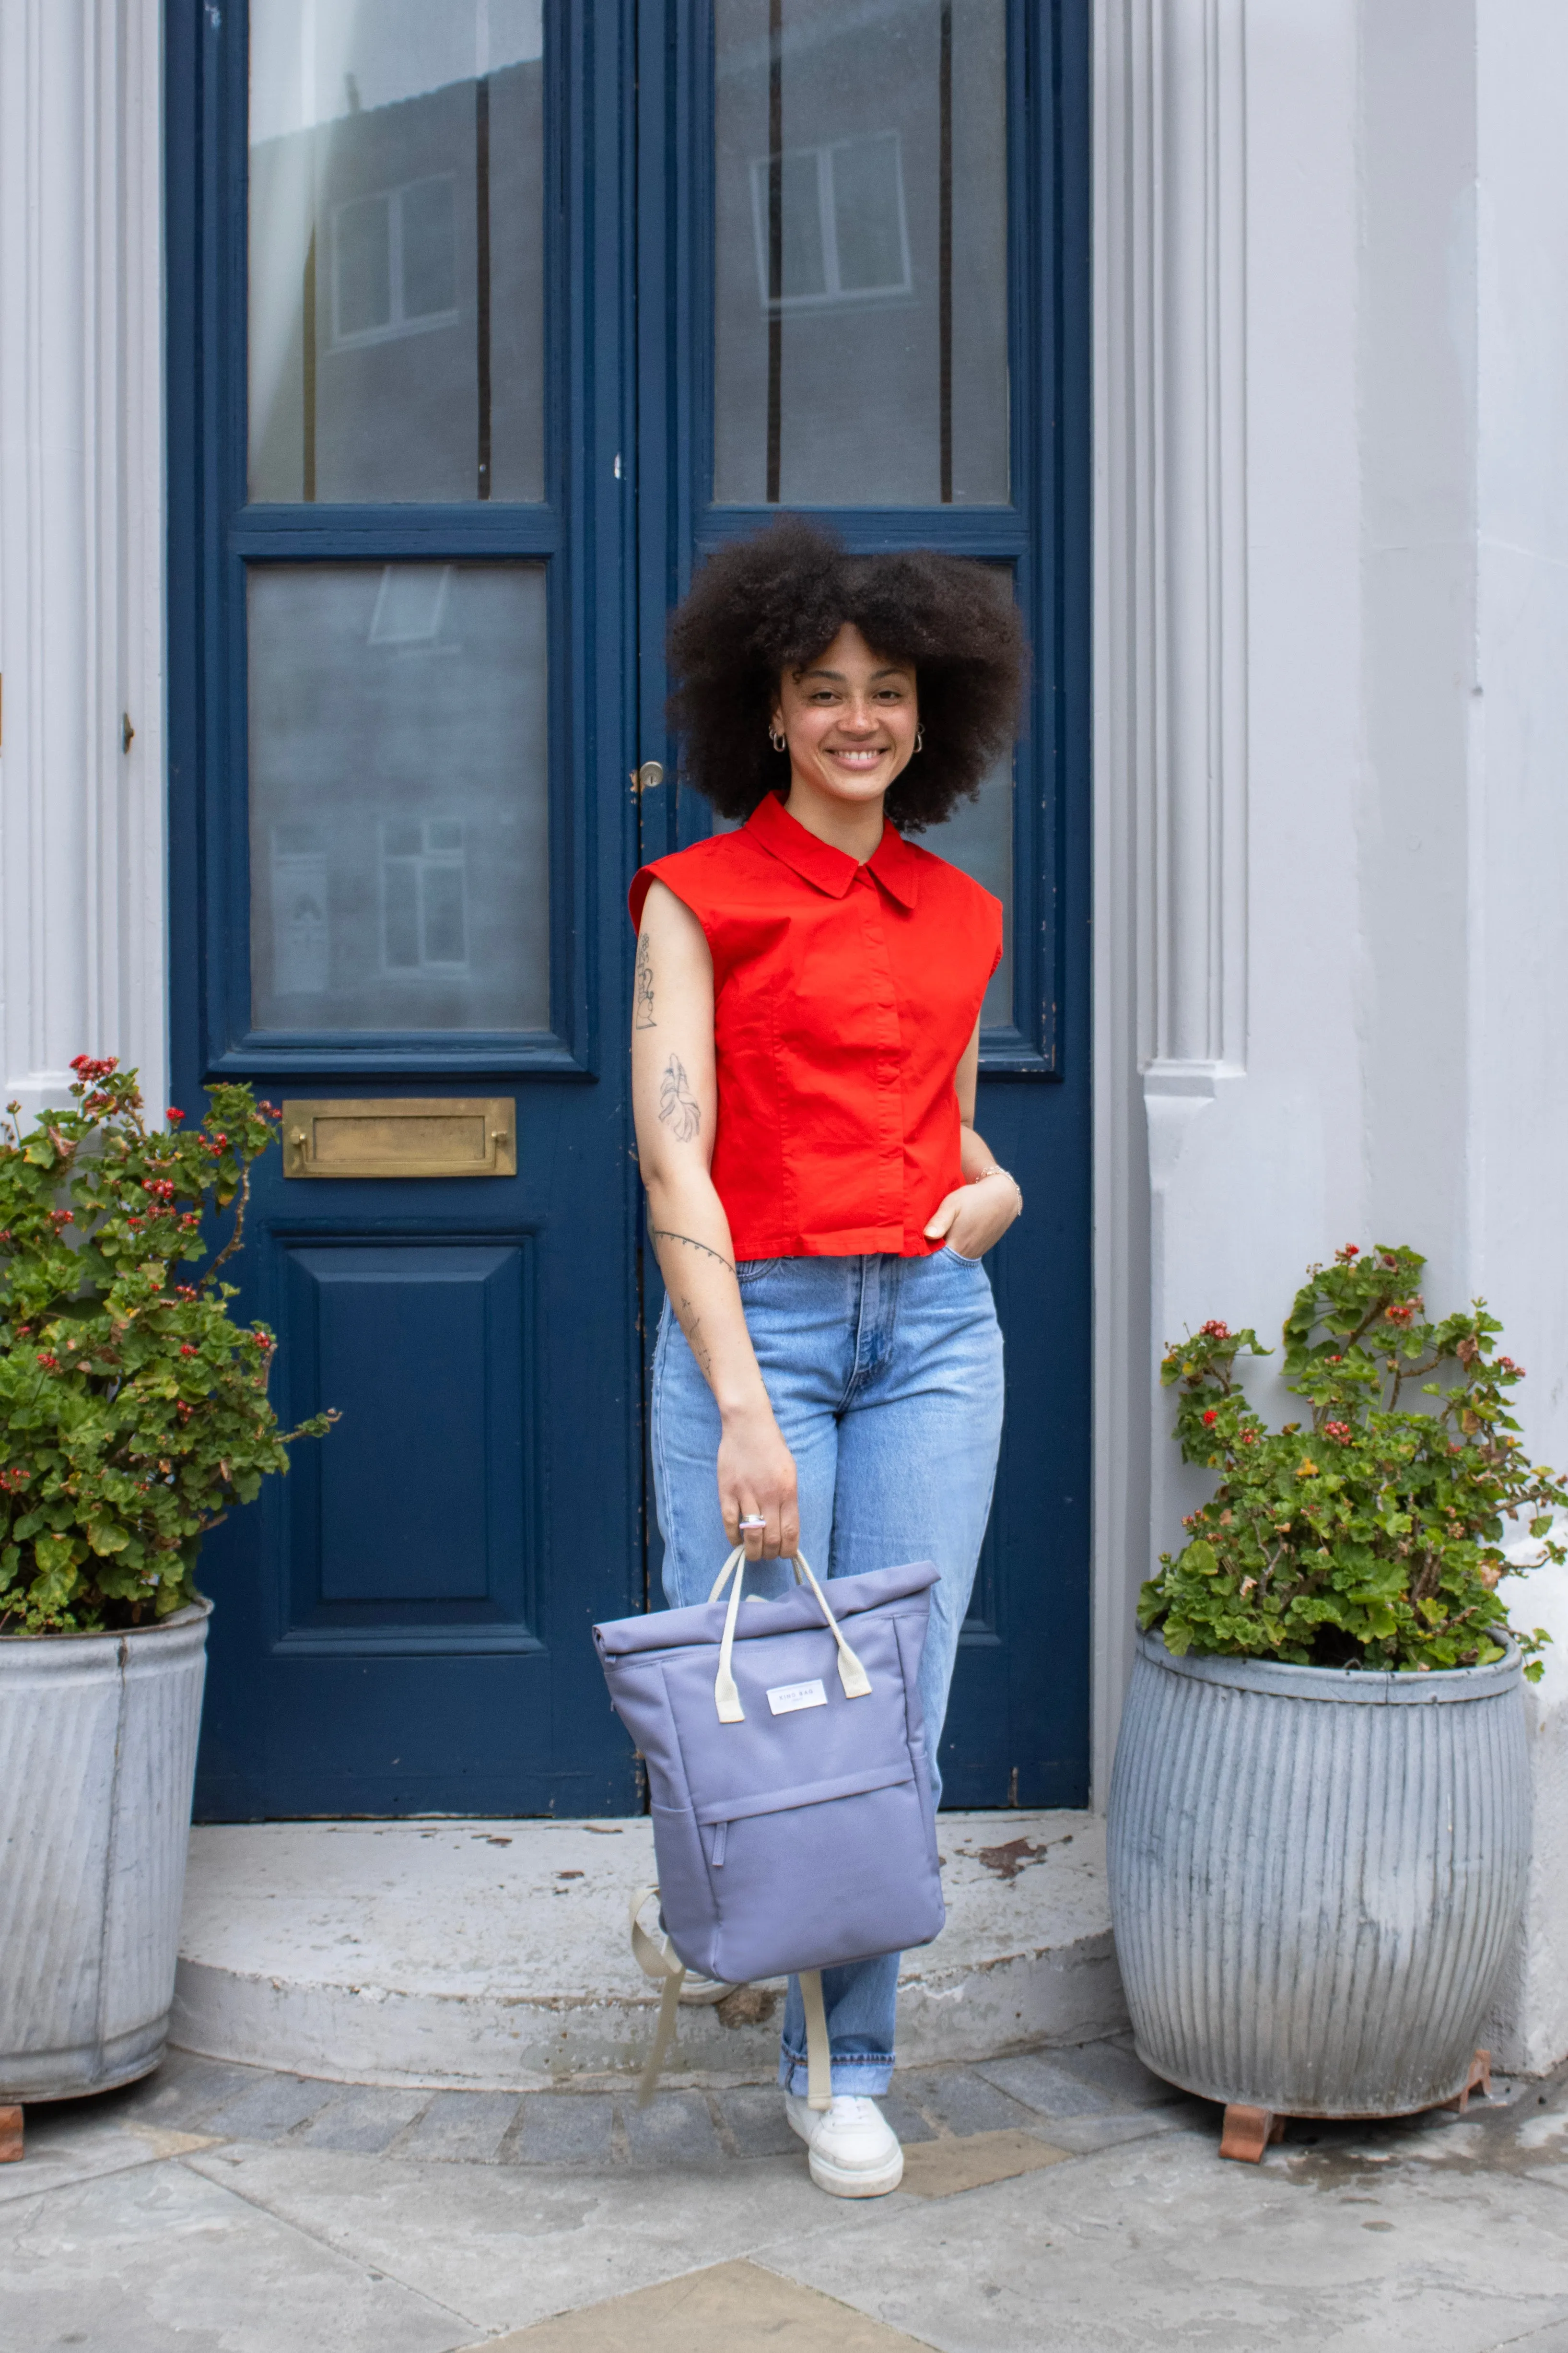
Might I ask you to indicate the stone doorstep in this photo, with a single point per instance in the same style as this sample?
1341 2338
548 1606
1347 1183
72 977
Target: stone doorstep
494 1955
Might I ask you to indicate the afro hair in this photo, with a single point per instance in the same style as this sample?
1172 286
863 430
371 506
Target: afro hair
768 605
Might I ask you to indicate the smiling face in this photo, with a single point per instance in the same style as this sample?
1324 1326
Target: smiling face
850 718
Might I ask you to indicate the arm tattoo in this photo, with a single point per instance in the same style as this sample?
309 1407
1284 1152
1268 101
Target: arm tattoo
678 1106
643 1017
663 1234
692 1326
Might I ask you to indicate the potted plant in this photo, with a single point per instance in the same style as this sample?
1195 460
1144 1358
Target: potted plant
133 1415
1320 1811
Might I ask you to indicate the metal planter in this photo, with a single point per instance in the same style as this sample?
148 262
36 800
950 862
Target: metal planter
98 1752
1315 1877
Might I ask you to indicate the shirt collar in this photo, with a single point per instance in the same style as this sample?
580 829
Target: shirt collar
892 862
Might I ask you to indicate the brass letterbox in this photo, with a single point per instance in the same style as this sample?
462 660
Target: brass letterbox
403 1135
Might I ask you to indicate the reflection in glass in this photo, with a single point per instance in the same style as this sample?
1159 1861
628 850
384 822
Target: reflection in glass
398 803
978 836
396 230
860 264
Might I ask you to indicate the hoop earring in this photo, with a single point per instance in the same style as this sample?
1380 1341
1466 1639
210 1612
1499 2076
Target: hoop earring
919 739
779 743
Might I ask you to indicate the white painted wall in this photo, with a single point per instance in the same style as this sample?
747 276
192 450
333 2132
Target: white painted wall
1396 1071
82 964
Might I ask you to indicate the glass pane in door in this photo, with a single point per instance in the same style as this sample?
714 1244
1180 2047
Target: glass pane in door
978 836
398 798
395 299
860 253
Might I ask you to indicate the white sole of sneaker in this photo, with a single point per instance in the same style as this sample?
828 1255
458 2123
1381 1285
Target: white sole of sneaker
846 2181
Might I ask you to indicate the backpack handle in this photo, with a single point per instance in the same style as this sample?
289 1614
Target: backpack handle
856 1683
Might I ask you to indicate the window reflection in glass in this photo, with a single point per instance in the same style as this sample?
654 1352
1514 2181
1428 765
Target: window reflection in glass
978 836
398 827
860 353
396 230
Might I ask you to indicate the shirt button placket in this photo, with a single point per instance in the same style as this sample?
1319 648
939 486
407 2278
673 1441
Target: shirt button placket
889 1087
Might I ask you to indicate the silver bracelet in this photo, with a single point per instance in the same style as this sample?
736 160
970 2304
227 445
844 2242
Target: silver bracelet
995 1171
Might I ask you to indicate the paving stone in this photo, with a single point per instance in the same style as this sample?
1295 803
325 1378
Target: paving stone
270 2106
363 2117
462 2128
728 2304
945 2168
185 2089
676 2128
1084 2135
1046 2088
963 2102
563 2128
163 2258
905 2118
755 2115
1119 2073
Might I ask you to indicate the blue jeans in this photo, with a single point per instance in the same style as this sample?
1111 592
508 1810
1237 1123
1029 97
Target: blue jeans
885 1375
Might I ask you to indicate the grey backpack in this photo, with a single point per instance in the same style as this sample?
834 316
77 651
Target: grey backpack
793 1817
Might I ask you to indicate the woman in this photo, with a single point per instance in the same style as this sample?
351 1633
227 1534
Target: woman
804 1044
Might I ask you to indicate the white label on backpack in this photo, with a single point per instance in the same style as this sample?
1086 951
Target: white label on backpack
789 1696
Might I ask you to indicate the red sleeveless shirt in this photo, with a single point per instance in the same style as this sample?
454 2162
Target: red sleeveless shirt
843 998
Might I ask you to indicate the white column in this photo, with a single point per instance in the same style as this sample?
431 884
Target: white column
1171 703
82 961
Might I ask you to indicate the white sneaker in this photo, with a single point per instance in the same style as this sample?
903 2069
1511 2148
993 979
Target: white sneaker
853 2150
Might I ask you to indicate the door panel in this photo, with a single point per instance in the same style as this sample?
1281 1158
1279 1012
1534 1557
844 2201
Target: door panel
401 835
418 1510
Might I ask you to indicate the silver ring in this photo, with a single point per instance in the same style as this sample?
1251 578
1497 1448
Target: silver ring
751 1523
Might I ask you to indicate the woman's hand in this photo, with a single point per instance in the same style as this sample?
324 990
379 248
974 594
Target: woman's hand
757 1480
974 1216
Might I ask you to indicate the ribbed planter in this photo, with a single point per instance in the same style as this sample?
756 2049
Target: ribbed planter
1315 1877
98 1753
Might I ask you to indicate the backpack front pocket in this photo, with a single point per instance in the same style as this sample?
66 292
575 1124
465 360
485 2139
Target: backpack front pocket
827 1873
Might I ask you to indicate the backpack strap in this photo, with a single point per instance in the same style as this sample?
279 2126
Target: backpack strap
818 2058
658 1962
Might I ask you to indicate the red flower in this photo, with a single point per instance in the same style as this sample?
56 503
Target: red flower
1249 1438
1210 1418
1340 1429
186 1349
50 1364
173 1113
62 1218
1398 1315
1215 1329
1351 1249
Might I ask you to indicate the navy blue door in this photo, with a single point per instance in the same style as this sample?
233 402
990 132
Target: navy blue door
485 321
